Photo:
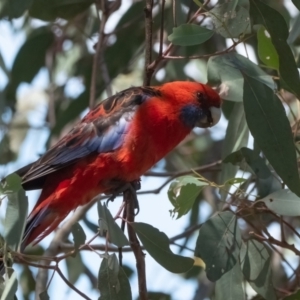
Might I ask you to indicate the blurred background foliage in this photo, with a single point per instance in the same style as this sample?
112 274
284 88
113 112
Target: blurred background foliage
60 39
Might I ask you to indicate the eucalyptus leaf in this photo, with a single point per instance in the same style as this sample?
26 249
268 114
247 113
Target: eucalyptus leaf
183 193
266 50
230 21
75 267
227 71
271 130
15 219
115 234
190 34
255 260
230 285
283 202
277 27
79 236
11 184
113 283
255 162
218 244
158 246
237 134
11 287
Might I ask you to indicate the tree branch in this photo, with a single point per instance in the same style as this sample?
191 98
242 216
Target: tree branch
148 41
129 199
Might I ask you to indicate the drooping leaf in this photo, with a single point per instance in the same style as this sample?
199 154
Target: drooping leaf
236 137
190 34
15 219
230 20
107 222
79 236
275 24
283 202
230 285
218 244
27 282
11 184
183 193
11 287
266 50
255 260
113 283
255 162
75 267
158 246
270 128
226 71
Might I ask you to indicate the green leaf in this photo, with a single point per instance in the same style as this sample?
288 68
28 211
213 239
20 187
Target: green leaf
75 267
15 219
255 260
237 134
218 244
234 181
266 50
230 285
107 222
14 8
255 162
30 58
189 34
26 282
230 21
11 287
283 202
158 246
183 192
79 236
44 295
275 24
50 10
12 184
226 71
271 130
113 283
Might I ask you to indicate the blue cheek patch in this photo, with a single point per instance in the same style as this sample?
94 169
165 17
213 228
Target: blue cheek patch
190 115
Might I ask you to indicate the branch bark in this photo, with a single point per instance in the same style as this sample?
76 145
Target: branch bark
129 199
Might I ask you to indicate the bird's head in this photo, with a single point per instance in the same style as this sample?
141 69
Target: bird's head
199 105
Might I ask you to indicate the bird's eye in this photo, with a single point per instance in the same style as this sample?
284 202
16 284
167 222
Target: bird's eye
201 97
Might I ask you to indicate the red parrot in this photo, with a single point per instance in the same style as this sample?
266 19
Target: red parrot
114 144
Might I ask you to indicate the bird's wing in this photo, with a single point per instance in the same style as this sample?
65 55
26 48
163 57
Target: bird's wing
102 130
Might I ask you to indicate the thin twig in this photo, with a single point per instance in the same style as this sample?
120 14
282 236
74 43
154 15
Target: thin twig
97 56
162 21
148 41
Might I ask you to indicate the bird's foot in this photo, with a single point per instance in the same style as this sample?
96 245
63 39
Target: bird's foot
133 187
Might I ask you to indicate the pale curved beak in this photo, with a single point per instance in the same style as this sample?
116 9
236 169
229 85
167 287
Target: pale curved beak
210 117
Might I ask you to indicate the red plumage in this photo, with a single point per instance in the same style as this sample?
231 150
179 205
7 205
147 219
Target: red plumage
115 143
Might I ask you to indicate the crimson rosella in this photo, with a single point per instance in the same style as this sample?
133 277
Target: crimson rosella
114 144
